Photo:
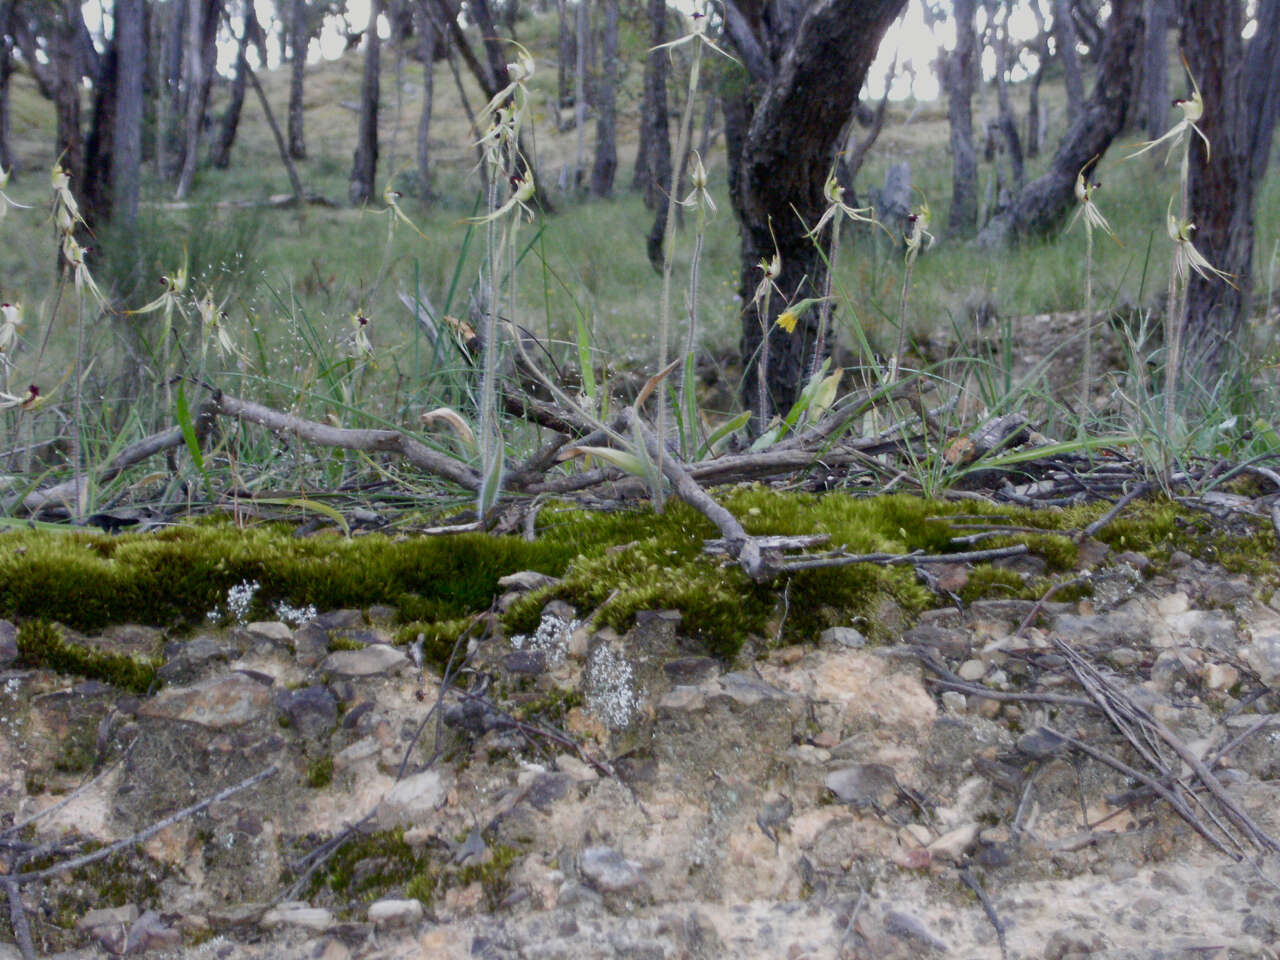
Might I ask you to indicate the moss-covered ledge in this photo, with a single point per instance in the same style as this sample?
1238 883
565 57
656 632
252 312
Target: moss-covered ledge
614 564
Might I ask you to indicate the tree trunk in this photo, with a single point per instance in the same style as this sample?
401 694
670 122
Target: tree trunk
1041 205
202 35
656 136
1262 86
427 37
131 45
1153 112
1008 123
580 92
364 168
68 75
1064 31
606 162
960 73
99 151
299 42
565 49
220 154
820 59
6 71
1041 46
1222 188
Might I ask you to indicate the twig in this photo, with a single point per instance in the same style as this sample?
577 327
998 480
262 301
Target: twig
1093 528
141 835
972 883
18 918
839 559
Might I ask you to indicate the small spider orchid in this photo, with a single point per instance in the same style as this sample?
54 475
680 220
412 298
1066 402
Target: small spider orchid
213 326
170 299
834 194
1186 258
358 340
391 197
66 211
29 401
917 236
1088 210
1192 109
522 191
697 33
519 73
770 270
74 255
699 196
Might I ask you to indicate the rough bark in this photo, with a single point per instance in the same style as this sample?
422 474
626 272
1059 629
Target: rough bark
1222 188
1042 204
960 74
364 168
1262 86
99 150
1064 32
565 49
821 53
606 160
427 40
1040 44
69 144
657 135
1153 109
299 42
583 15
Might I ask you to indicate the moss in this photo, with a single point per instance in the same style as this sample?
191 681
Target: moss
493 875
552 707
367 867
320 773
41 644
439 585
343 642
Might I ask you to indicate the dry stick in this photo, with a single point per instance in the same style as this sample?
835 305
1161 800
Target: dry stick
348 439
837 559
1256 834
1106 518
18 918
1156 786
972 883
141 835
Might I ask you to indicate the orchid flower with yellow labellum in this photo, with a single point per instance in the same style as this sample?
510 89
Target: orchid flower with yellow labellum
213 327
1088 209
74 254
1192 109
917 237
10 324
1186 258
834 194
770 270
522 190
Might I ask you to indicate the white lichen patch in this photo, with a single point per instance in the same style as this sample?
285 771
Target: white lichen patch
295 616
610 688
239 600
551 638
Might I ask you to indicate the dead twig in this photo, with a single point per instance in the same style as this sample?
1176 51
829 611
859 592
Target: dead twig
18 919
144 834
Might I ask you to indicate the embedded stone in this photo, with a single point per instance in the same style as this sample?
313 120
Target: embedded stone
608 871
229 701
395 913
412 800
371 661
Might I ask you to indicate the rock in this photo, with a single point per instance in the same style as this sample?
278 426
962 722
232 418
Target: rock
1040 743
192 660
108 916
691 670
310 644
1173 604
954 844
842 637
905 926
608 871
952 644
972 670
229 701
953 701
412 800
525 662
1263 654
395 913
863 784
371 661
149 932
8 643
297 914
272 630
1220 676
340 620
1065 942
525 581
312 711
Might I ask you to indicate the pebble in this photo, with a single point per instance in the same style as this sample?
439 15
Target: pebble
371 661
608 871
395 913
